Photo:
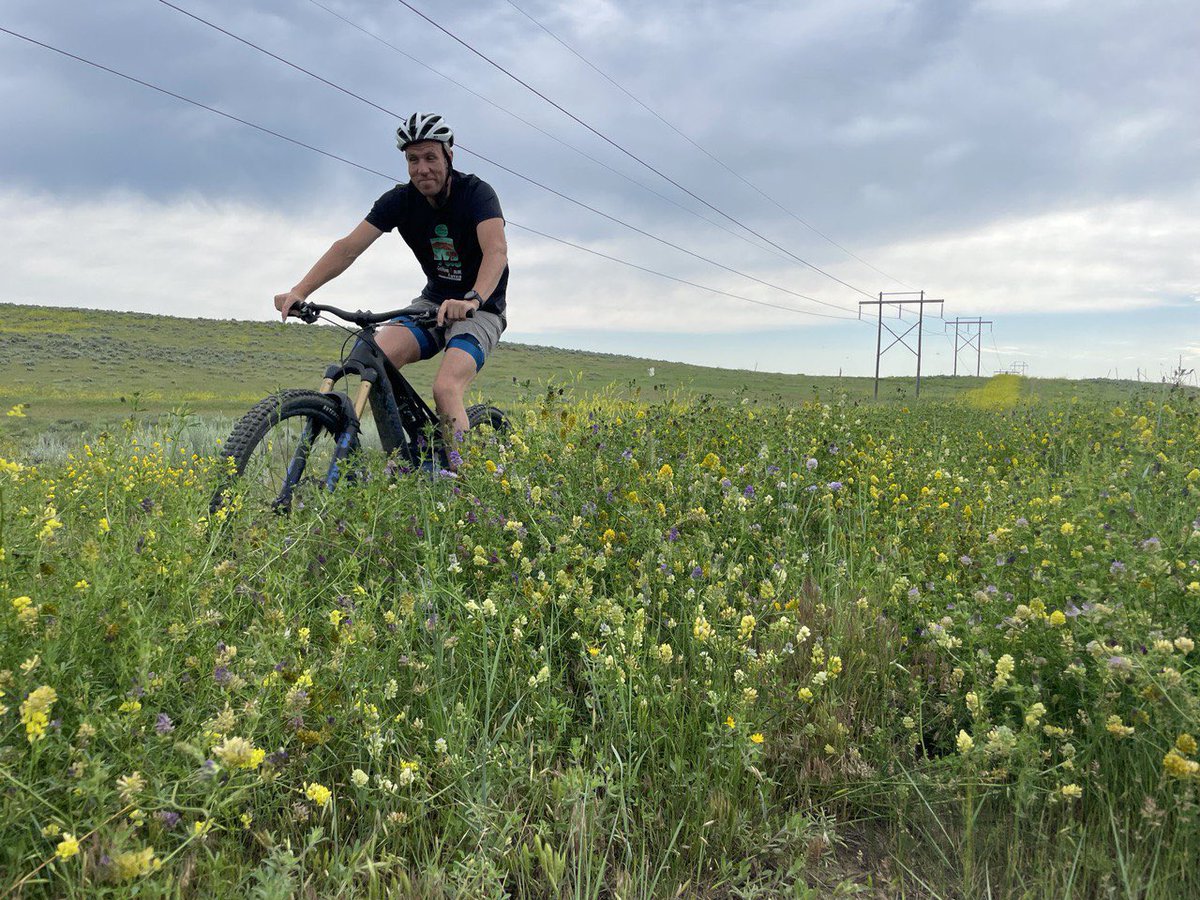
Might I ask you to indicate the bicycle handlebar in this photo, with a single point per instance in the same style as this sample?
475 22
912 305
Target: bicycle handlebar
308 312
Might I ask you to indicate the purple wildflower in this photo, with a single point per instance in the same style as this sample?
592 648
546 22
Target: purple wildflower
278 759
965 560
835 486
697 572
222 675
673 534
167 818
163 724
810 464
749 491
1117 567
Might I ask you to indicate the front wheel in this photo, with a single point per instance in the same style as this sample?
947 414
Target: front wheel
281 448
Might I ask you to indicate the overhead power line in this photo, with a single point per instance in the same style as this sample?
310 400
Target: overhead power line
542 131
334 156
502 167
624 90
628 152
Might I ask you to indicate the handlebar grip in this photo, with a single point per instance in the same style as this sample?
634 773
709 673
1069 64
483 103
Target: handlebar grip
304 312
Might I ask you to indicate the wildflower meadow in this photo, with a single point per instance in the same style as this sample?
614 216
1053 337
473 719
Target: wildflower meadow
668 648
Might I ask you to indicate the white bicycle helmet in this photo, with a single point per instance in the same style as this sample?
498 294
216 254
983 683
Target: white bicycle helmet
423 126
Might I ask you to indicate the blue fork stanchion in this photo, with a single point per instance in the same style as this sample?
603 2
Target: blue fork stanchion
296 467
345 439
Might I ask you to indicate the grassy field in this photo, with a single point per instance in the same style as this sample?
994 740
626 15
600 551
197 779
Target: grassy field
84 369
715 639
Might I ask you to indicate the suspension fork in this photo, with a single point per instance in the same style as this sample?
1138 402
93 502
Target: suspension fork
353 429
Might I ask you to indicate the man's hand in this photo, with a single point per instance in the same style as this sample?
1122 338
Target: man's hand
455 310
284 302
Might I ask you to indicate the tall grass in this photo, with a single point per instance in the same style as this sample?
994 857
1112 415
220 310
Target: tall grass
633 650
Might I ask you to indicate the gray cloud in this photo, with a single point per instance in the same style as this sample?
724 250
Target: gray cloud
942 141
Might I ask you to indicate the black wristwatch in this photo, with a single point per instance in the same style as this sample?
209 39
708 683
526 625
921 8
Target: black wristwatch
473 295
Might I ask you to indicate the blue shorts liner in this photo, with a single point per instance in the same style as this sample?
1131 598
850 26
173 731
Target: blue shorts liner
469 343
425 340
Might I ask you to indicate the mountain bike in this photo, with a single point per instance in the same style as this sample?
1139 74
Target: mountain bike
296 431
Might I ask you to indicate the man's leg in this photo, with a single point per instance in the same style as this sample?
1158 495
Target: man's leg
456 373
399 343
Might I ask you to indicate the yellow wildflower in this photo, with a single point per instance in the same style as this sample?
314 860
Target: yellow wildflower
129 786
1071 791
1115 727
133 864
964 742
756 738
1175 764
67 847
35 712
317 793
239 753
1004 670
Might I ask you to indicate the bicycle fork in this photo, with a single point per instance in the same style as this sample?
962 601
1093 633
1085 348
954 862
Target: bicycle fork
345 440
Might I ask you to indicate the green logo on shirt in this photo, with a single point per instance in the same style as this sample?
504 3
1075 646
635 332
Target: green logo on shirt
445 255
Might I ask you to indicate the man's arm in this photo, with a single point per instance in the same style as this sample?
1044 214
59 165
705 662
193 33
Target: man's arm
336 260
495 257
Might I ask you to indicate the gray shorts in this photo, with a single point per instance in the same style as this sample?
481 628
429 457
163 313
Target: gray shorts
477 335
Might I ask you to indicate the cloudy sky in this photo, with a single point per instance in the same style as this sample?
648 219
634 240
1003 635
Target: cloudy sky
1032 162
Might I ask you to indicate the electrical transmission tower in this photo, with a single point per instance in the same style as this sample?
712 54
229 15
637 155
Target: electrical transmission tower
899 338
969 340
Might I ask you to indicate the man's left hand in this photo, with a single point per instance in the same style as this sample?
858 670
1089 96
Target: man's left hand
455 310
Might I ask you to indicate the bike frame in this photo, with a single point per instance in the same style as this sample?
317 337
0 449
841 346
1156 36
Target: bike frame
402 416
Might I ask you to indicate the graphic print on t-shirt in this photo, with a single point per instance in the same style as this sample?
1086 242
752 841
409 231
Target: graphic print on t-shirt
445 257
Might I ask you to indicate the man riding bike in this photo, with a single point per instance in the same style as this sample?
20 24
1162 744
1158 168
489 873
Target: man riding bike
453 224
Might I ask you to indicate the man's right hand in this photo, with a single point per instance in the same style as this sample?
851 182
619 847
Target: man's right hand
284 302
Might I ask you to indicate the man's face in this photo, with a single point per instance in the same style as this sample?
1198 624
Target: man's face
427 167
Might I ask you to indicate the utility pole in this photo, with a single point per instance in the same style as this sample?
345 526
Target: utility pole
899 338
976 340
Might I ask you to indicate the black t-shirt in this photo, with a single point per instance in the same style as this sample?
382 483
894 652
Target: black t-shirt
444 240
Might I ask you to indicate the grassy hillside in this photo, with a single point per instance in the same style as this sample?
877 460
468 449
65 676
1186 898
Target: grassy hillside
81 369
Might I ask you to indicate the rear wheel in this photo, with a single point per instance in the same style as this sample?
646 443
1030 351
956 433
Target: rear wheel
281 450
488 416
